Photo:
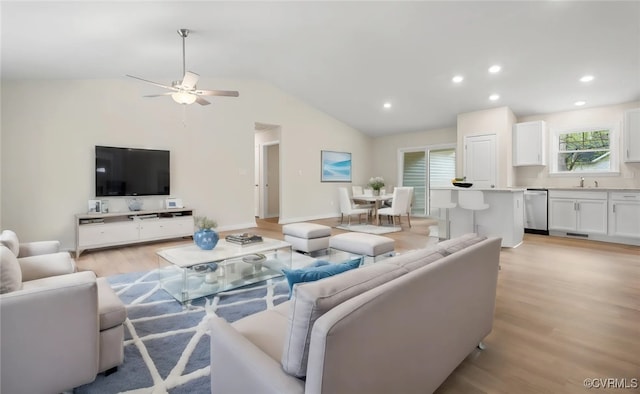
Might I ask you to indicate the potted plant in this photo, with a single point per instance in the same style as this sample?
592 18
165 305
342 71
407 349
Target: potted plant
376 183
205 237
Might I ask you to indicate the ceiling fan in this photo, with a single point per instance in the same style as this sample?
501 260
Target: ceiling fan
185 91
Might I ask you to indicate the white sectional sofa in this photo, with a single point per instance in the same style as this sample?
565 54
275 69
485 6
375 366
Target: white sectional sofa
401 325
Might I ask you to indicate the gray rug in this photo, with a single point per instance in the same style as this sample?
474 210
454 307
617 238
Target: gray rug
370 229
166 347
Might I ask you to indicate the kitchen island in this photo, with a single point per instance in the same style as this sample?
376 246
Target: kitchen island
503 218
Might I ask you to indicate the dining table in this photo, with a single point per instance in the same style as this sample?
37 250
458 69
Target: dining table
376 200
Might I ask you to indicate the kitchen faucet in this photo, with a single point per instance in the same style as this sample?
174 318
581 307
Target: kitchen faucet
582 181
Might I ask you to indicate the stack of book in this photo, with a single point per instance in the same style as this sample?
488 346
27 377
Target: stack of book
243 239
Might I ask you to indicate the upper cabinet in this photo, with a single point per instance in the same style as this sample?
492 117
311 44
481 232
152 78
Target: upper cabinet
529 143
631 151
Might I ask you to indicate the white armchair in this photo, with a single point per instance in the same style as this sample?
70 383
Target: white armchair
38 259
59 328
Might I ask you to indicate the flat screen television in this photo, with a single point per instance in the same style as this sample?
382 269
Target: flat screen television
131 172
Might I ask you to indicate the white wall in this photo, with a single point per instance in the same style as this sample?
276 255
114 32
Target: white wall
496 121
602 116
50 128
385 151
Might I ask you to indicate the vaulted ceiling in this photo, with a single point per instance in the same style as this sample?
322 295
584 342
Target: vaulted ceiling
347 58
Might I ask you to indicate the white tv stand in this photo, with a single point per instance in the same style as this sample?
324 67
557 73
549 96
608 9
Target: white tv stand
99 230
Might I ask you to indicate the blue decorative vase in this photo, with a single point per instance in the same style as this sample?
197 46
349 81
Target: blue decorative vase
206 239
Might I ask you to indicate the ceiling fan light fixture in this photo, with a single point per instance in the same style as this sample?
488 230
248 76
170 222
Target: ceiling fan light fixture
183 97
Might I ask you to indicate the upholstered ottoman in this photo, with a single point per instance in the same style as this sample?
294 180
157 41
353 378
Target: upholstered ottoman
364 244
307 237
112 316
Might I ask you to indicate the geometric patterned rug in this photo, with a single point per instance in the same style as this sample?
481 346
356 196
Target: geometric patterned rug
167 347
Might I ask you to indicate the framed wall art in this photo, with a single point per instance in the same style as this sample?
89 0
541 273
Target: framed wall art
335 166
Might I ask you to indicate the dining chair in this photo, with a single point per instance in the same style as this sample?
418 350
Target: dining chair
357 191
400 204
347 208
410 205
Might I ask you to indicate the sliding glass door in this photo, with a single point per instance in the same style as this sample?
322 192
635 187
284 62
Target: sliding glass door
423 168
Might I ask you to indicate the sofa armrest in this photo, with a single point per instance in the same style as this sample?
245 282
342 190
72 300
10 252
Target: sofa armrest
45 265
238 366
50 327
39 247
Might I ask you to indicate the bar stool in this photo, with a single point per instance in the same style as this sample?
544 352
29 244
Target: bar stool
441 199
472 200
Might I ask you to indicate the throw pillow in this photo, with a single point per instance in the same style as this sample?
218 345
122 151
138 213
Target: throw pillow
9 239
318 270
10 272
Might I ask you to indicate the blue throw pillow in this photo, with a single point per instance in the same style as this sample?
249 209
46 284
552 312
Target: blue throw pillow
318 270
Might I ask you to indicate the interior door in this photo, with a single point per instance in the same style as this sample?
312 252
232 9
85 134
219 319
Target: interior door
480 160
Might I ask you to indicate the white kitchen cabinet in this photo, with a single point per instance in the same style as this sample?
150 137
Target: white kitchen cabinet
578 212
631 152
624 214
529 144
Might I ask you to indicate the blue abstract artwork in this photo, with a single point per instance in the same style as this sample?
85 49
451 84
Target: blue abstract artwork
336 166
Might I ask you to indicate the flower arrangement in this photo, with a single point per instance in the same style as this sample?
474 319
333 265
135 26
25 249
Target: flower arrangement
204 223
376 183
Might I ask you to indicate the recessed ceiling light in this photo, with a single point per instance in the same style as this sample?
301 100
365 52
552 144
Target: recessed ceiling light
495 69
586 78
580 103
457 79
494 97
387 105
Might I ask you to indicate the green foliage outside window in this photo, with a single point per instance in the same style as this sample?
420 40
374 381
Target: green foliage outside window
584 151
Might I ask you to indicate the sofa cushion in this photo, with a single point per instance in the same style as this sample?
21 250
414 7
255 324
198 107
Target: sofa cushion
10 272
415 259
10 239
457 244
266 329
319 270
312 299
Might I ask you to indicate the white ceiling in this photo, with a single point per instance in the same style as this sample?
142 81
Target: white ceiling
347 58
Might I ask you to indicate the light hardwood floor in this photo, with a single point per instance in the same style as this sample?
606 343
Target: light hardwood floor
566 310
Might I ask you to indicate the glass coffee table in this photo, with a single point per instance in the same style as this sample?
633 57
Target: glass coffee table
188 272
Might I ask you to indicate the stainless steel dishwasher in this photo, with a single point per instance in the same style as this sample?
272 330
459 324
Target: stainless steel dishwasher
535 211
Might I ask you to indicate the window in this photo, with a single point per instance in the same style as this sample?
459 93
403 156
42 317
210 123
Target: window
588 150
433 166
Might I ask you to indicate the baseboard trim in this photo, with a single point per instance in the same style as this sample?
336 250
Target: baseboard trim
237 226
307 218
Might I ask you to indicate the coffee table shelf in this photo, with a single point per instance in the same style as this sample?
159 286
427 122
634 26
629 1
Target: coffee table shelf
188 272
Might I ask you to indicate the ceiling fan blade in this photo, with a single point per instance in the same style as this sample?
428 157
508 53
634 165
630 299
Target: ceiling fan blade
202 101
154 83
159 95
229 93
190 79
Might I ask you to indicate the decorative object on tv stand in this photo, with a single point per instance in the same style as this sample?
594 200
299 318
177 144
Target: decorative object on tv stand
205 237
95 206
376 183
134 204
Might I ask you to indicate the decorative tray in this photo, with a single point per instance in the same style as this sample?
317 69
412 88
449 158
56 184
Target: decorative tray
254 258
462 184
